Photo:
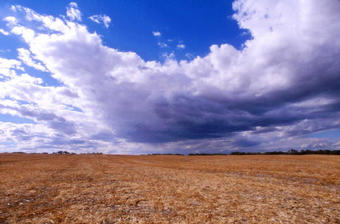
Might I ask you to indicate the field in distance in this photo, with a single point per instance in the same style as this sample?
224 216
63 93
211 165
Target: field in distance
38 188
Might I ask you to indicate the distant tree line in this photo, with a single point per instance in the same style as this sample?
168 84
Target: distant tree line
72 153
206 154
63 153
165 154
291 152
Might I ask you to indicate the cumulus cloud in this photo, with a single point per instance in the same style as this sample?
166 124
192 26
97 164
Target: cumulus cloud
104 19
281 86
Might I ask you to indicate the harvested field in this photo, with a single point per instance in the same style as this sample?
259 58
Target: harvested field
42 188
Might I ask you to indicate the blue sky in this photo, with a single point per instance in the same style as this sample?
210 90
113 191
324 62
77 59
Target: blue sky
197 24
169 76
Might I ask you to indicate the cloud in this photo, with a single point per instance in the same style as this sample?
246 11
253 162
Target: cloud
280 87
162 44
156 33
181 46
10 20
4 32
8 67
73 12
106 20
25 56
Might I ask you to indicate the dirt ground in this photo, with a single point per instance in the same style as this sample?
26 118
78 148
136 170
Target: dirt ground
40 188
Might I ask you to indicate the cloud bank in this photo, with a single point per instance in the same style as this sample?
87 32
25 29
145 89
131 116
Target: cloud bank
280 87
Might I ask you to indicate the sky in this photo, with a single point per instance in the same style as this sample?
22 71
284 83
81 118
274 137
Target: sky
193 76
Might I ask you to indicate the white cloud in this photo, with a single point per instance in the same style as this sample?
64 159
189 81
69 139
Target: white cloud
4 32
181 46
25 56
73 12
49 22
106 20
8 67
26 33
156 33
259 96
162 44
10 20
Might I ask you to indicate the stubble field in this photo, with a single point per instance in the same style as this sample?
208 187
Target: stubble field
41 188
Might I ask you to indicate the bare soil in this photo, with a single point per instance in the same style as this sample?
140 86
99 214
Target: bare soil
39 188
